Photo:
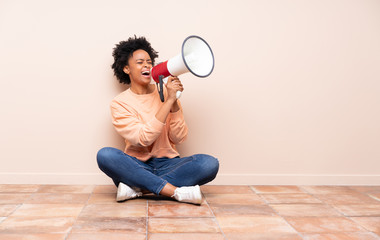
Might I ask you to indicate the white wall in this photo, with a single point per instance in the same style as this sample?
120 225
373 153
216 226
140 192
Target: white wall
293 99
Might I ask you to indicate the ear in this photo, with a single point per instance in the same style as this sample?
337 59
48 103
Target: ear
126 69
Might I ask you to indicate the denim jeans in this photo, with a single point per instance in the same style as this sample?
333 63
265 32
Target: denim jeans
155 173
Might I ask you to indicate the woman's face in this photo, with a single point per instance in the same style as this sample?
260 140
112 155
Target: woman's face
138 67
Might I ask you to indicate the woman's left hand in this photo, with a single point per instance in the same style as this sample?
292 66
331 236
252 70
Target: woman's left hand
173 85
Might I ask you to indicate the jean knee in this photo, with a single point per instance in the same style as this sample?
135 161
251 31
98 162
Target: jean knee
102 156
214 165
210 164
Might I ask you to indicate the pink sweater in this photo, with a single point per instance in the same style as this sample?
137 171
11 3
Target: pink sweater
145 136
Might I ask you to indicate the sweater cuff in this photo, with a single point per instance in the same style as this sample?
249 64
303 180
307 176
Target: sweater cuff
176 115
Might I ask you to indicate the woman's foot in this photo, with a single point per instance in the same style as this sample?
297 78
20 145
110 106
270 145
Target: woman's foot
188 194
124 192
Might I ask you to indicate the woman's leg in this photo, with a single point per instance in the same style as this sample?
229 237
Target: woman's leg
121 167
198 169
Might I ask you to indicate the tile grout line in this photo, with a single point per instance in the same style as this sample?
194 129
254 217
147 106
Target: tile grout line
216 220
341 214
368 194
274 210
147 221
76 219
18 206
2 219
366 229
330 205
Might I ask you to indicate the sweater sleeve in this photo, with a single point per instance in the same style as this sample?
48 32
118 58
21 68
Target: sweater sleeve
131 128
178 128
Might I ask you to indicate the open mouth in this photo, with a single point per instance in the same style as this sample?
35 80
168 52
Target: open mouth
146 73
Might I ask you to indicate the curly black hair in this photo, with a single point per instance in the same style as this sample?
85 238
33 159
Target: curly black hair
124 50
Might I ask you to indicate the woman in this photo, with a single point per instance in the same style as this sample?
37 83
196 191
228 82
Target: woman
150 161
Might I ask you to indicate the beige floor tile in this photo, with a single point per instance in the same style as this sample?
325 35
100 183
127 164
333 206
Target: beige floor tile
329 189
370 223
66 189
341 236
36 225
48 210
102 198
113 211
47 198
186 236
106 236
263 236
323 224
183 225
256 224
277 189
289 198
7 209
127 225
366 189
105 189
346 198
358 210
239 199
226 189
41 236
179 210
14 198
18 188
221 210
306 210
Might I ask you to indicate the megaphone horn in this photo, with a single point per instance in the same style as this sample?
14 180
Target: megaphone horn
196 57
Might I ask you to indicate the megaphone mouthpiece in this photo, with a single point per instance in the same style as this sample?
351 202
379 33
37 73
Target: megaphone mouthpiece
160 69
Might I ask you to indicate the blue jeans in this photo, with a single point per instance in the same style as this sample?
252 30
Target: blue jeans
155 173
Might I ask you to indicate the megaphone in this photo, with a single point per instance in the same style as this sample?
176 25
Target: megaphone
196 57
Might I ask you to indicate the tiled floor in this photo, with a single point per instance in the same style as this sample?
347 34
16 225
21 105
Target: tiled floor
52 212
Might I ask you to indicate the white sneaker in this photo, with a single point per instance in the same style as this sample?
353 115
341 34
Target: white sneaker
188 194
124 192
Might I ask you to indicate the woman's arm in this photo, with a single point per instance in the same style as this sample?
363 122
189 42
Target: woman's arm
130 127
177 126
171 104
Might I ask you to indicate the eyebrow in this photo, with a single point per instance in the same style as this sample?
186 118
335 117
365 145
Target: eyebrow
140 59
